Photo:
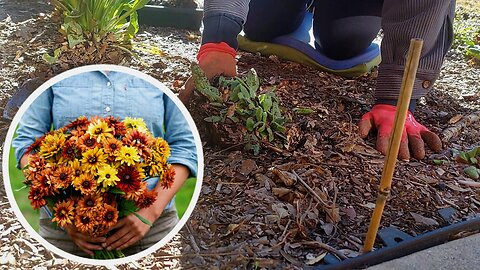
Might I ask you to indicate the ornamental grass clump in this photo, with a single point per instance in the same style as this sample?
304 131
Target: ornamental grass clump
91 173
96 30
238 112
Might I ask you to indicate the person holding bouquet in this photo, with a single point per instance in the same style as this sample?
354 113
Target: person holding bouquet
107 103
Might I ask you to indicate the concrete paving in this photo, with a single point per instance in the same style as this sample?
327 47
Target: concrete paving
460 254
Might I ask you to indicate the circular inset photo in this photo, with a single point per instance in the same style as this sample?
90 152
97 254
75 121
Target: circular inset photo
103 164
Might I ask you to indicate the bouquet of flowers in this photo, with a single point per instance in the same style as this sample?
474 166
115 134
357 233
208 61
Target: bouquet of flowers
91 172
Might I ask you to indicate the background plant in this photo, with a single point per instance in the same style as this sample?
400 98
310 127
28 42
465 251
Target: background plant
467 33
91 22
236 100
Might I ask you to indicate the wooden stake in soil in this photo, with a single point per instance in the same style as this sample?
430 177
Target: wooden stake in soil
411 65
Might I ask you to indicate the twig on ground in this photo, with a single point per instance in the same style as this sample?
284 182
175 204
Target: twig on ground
326 247
454 130
309 189
192 238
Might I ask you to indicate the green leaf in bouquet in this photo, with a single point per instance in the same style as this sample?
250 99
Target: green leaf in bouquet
116 190
126 207
23 187
144 220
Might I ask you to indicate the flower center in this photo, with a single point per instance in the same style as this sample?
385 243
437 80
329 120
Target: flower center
98 131
89 203
127 154
127 177
107 175
70 151
92 160
109 216
113 146
89 142
63 176
86 184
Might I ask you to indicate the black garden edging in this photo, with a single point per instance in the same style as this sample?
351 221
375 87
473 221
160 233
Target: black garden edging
405 247
183 18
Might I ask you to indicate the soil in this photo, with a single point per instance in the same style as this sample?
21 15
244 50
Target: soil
252 211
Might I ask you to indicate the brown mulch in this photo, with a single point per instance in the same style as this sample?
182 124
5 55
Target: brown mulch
252 212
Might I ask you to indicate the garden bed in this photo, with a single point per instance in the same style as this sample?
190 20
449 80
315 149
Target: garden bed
246 216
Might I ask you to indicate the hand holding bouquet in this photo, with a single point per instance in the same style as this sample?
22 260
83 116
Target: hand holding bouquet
91 173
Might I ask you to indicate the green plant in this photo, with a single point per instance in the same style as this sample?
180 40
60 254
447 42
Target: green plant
466 35
236 100
96 21
470 157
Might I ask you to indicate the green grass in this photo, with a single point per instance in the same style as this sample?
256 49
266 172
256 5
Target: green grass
182 199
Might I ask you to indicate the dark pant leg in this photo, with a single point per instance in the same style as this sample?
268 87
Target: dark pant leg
268 19
345 28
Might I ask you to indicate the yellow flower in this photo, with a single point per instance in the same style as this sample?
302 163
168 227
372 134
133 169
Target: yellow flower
128 155
52 144
100 130
107 177
93 159
63 213
136 123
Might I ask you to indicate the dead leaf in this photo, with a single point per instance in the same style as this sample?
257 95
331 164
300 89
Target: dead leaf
457 188
280 192
350 212
455 119
333 215
247 166
328 228
288 179
424 220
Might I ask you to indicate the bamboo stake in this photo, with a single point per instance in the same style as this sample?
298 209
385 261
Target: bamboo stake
411 65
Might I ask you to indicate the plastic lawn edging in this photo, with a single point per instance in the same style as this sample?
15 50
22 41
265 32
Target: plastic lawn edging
183 18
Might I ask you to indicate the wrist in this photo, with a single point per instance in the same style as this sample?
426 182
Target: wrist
220 47
393 102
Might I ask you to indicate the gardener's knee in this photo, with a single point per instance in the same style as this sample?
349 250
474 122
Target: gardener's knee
268 19
347 37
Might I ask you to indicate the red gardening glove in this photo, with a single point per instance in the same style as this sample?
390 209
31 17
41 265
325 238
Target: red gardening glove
214 59
414 134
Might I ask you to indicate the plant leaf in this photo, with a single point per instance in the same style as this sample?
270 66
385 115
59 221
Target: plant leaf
144 220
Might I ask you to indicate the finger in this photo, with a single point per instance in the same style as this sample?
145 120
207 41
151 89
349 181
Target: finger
417 145
403 152
186 91
122 241
87 245
96 239
130 242
119 224
432 140
365 125
89 252
116 236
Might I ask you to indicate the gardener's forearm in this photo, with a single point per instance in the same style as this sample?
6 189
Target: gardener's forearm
403 20
166 195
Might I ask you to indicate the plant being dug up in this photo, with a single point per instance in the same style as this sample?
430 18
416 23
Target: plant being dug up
235 111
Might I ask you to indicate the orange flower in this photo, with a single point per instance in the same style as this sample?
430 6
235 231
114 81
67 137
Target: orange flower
146 199
44 184
63 213
89 203
118 127
86 184
109 216
36 198
62 177
84 222
52 144
69 151
112 146
168 177
86 142
141 141
135 195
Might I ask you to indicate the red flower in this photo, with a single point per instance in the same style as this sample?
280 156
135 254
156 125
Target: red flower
130 179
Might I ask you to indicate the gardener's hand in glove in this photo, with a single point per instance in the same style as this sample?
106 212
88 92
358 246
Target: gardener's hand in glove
381 118
83 241
130 230
214 59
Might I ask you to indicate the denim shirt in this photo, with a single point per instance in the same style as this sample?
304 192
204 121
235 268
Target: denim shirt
106 94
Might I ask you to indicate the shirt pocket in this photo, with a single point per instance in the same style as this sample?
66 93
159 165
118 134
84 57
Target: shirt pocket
73 101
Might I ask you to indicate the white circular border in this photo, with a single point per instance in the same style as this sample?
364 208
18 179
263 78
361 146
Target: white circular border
31 99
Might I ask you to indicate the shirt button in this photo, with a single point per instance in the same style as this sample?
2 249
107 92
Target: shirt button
107 109
426 84
109 84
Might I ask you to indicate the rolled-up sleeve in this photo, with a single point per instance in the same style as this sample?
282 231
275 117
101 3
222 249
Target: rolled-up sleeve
36 121
403 20
179 137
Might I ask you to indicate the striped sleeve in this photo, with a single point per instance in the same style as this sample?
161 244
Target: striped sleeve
237 8
403 20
